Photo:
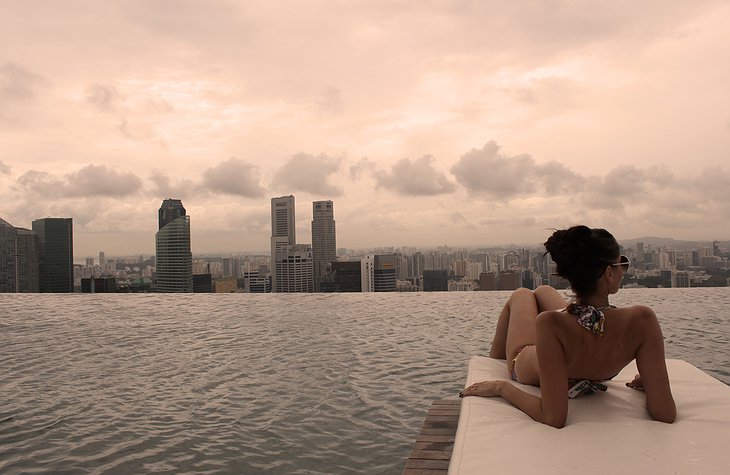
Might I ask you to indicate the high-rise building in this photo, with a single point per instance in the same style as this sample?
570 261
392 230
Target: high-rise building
283 231
293 267
435 280
324 245
378 273
345 276
27 248
174 261
56 257
8 261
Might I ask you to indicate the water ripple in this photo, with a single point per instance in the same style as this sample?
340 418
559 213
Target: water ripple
328 383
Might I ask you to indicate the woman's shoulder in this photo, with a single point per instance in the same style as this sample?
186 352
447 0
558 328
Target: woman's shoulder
638 316
637 311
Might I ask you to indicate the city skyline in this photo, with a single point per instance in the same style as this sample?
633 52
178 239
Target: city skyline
499 123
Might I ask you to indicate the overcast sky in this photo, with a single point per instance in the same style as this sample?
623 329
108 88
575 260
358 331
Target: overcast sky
426 122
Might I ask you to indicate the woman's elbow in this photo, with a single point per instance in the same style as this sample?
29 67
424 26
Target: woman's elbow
668 415
557 422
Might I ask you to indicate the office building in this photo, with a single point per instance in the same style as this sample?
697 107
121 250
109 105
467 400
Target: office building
8 261
324 245
344 276
99 285
174 261
202 283
55 254
378 273
283 231
509 280
27 248
293 266
435 280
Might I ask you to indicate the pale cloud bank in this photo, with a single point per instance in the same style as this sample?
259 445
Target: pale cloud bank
91 180
308 173
235 177
506 118
414 177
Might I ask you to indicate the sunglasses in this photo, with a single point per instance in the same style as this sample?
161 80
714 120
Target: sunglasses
623 262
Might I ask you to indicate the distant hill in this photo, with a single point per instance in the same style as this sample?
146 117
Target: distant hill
655 242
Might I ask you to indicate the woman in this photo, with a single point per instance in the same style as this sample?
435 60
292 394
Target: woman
547 344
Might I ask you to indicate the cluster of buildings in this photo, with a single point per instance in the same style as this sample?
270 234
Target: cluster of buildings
41 260
38 259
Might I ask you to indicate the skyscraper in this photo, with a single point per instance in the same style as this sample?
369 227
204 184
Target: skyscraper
293 267
27 248
174 261
324 245
283 231
378 273
56 257
8 264
18 259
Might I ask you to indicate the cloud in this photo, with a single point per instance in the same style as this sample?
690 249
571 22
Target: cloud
713 183
331 100
415 178
102 97
17 83
488 173
162 186
235 177
364 165
4 169
91 180
491 174
309 173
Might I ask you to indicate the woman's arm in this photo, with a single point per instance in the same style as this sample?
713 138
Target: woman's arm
653 369
552 407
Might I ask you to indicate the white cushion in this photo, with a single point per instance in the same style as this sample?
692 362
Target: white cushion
607 432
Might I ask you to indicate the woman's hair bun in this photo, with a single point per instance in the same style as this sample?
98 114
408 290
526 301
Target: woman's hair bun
581 253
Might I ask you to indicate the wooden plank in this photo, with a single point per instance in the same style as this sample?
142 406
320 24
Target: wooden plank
420 445
435 438
424 471
433 447
430 464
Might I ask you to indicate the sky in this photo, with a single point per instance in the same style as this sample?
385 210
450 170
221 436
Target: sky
459 123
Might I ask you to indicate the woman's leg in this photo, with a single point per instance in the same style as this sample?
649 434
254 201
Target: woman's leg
549 299
516 325
498 349
521 329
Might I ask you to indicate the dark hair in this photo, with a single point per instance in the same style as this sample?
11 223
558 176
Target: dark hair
581 255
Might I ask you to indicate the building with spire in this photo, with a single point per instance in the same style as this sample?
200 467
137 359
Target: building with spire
174 261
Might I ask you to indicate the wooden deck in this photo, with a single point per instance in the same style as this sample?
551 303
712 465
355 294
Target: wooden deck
432 451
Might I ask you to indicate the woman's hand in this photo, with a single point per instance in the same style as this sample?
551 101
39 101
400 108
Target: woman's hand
636 383
484 389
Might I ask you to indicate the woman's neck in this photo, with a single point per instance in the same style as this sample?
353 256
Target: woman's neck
596 300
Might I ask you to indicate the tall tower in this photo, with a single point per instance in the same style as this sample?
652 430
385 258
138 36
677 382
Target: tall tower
174 261
8 262
27 261
283 231
56 254
324 244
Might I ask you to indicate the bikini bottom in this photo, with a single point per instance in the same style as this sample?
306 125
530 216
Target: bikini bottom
512 371
576 387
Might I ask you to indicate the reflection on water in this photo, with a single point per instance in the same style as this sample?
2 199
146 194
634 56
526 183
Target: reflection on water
239 383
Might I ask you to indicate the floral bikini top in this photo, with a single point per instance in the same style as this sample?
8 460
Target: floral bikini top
589 317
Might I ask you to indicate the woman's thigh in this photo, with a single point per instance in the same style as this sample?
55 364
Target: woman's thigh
522 315
549 299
